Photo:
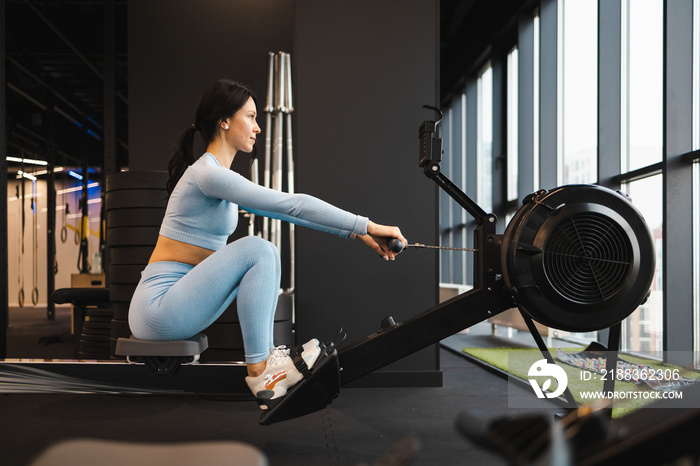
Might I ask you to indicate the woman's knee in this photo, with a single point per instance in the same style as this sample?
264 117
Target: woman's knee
260 249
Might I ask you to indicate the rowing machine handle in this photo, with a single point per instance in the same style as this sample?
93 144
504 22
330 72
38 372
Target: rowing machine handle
395 245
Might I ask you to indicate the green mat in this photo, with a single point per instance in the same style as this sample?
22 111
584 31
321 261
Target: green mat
517 362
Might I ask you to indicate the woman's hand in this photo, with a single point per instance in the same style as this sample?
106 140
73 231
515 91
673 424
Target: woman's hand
377 237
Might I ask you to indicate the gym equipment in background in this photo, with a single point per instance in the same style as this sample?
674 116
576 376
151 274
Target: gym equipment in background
278 170
20 244
134 207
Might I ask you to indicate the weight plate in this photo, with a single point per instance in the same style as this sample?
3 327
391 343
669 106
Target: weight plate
132 236
121 293
94 345
97 319
145 217
125 274
130 255
136 179
121 311
120 329
92 338
95 331
95 312
136 198
97 325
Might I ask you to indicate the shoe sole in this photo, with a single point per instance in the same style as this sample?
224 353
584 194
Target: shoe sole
279 391
263 396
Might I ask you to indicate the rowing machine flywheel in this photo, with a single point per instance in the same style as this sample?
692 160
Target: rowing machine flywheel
578 258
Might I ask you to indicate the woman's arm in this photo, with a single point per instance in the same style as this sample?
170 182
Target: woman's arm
301 209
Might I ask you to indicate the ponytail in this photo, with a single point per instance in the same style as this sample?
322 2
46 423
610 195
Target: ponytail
221 100
182 156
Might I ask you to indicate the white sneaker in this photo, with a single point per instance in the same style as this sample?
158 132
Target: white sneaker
280 373
310 345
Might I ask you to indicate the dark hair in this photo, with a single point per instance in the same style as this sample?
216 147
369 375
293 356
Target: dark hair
221 100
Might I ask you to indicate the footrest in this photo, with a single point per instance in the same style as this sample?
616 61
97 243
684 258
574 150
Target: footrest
311 394
162 357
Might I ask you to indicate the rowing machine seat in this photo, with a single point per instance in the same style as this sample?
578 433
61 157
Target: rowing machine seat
162 357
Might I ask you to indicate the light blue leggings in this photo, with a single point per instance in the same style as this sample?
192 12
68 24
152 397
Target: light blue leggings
175 301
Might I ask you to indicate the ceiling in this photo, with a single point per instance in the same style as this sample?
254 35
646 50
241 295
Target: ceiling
56 71
467 30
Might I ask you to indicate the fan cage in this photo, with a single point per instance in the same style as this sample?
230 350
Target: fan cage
587 258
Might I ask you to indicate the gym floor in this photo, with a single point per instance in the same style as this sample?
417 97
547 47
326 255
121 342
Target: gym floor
358 428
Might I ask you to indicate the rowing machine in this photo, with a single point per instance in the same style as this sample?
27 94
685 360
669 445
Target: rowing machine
576 258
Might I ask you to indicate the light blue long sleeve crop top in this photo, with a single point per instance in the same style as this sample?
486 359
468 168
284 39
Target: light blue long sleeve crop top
203 207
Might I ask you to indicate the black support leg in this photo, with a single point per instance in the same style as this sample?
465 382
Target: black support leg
611 359
391 344
545 352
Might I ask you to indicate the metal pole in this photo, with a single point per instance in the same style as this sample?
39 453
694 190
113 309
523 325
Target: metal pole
84 221
109 90
4 295
51 232
277 145
290 161
255 179
268 132
278 110
109 135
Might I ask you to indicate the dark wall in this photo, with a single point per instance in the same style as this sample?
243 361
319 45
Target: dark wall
178 47
361 72
363 69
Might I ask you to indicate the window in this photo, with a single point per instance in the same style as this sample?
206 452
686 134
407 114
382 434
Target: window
446 132
608 131
642 330
641 142
696 178
485 139
696 248
528 63
642 81
452 216
512 125
696 75
536 102
578 91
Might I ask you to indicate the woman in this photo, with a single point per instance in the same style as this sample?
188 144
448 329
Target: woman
193 275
